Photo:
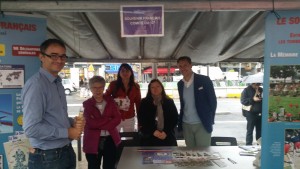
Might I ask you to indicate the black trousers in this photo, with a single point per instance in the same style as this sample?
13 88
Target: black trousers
106 150
253 121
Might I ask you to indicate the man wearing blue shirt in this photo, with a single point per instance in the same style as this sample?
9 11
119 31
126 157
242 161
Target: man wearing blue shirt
46 122
198 105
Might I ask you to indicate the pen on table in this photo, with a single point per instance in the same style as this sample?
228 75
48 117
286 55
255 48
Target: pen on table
232 161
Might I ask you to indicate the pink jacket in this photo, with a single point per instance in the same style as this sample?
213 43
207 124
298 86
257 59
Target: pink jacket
95 122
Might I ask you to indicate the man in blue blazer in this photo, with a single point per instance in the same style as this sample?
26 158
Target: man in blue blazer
198 105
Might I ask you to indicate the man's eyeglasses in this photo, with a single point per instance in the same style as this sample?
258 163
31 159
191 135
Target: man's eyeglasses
55 56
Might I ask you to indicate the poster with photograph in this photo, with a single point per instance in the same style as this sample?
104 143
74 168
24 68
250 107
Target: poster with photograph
284 93
1 161
281 112
6 114
19 50
11 76
292 149
17 153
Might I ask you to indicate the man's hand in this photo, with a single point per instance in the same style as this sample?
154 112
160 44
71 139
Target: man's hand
257 96
74 133
256 99
79 123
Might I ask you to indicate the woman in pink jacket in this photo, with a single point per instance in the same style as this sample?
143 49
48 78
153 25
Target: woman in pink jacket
101 137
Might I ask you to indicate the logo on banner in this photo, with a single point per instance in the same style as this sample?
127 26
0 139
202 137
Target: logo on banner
25 50
18 26
2 50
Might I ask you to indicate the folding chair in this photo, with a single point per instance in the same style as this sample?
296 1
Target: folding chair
178 135
130 139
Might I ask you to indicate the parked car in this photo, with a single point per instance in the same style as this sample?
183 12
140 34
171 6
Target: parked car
69 86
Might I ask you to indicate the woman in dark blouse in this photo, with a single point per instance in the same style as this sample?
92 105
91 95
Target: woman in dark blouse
157 117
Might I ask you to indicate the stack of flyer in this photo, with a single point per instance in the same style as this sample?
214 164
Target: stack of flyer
17 150
249 150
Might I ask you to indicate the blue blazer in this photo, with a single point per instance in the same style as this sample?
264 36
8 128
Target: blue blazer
205 101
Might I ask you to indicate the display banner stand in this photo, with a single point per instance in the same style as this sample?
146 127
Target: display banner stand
20 38
281 101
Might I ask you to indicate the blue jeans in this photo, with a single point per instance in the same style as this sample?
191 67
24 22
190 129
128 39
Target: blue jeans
59 158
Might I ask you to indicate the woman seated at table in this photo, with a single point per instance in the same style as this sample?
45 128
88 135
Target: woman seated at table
157 117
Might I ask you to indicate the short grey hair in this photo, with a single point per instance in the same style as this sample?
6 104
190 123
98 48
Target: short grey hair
96 79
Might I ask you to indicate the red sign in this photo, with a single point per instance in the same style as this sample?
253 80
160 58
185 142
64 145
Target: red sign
25 50
159 70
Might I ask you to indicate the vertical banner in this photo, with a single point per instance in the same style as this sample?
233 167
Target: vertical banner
142 21
20 38
281 107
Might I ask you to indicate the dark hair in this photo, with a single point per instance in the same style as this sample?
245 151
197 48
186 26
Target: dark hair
163 92
49 42
96 79
184 58
119 83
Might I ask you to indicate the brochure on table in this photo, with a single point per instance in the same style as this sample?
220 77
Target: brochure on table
189 158
281 107
20 37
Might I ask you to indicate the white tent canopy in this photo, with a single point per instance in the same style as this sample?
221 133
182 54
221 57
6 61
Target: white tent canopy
207 31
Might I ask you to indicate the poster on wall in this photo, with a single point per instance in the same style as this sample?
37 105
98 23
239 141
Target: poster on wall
17 152
11 76
281 111
6 114
142 21
20 38
1 161
284 93
292 149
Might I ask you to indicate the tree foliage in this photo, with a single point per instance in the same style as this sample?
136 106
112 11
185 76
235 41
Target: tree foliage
284 71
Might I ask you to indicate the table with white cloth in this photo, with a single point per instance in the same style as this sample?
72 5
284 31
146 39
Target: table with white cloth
228 157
